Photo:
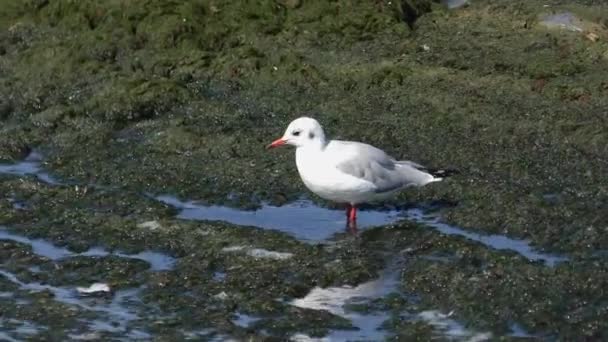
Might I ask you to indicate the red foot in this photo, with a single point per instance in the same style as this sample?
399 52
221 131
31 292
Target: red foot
351 226
353 213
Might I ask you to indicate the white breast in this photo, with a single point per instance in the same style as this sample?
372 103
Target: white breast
320 175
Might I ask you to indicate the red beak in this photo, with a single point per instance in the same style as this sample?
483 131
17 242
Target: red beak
276 143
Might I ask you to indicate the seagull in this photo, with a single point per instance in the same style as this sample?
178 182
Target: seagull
350 172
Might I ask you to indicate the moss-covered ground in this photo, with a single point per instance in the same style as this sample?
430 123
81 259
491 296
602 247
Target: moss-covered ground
161 96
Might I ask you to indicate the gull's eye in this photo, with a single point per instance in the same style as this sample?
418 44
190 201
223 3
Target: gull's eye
295 133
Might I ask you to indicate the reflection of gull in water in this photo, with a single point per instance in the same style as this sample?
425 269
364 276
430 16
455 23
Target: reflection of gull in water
301 219
333 299
450 328
311 223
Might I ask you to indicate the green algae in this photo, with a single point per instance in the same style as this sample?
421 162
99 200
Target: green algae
181 97
188 294
493 290
488 289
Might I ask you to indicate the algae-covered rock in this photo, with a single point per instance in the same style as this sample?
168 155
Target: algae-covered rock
12 146
160 96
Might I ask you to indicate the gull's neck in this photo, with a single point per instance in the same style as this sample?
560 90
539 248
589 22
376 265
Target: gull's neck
317 145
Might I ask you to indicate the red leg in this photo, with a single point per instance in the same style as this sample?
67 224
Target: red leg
348 210
351 219
352 227
353 213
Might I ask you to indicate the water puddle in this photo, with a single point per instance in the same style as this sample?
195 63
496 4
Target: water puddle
244 320
300 219
308 222
369 324
116 313
519 332
15 327
157 261
120 312
17 204
452 4
336 299
448 327
30 166
219 276
258 253
6 337
565 20
494 241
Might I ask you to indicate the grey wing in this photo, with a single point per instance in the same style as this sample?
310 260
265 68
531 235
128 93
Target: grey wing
375 166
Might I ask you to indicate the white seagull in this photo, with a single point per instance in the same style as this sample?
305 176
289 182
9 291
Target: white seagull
350 172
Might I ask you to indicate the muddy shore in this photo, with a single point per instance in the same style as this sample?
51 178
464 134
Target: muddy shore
117 103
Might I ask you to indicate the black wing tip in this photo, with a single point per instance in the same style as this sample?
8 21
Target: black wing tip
443 172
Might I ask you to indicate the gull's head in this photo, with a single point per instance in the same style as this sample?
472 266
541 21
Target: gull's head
301 132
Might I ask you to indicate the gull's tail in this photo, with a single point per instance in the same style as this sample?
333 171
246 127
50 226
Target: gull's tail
420 175
440 174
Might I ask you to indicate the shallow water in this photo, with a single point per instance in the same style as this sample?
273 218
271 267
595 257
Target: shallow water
494 241
18 328
306 221
114 315
121 313
258 253
30 166
448 327
519 332
451 4
117 312
334 300
4 336
369 324
564 20
301 219
157 261
244 320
